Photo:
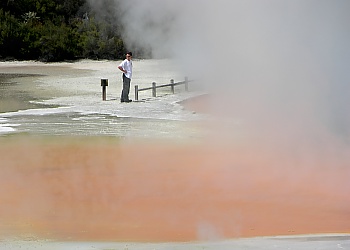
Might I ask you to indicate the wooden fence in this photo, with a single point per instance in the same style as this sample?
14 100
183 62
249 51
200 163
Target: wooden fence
154 87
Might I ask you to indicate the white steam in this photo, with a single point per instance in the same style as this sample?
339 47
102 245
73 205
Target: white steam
280 67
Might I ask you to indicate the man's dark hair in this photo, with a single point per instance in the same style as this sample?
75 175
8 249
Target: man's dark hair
129 53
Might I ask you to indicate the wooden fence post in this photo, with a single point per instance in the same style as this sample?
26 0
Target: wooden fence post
136 92
172 86
154 92
186 83
104 84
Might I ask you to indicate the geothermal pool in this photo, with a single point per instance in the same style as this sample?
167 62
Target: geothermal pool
77 172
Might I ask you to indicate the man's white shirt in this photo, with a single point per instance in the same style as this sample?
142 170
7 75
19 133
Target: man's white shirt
127 65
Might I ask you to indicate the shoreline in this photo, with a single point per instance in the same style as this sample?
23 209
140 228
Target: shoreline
300 242
76 88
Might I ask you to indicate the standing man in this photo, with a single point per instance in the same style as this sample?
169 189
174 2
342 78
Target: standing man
126 68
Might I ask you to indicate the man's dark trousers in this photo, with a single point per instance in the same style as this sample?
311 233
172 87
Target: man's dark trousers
126 89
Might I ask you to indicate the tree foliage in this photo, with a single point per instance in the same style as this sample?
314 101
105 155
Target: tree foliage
55 30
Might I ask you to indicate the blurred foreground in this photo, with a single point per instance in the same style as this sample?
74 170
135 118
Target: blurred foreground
98 189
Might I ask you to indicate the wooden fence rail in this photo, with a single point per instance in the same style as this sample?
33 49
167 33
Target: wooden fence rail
154 87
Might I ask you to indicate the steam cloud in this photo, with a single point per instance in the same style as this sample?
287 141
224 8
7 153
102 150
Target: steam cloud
277 70
279 67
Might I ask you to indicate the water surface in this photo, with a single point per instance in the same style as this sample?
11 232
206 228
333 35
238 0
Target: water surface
14 94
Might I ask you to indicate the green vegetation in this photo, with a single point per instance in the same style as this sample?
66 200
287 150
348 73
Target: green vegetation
56 30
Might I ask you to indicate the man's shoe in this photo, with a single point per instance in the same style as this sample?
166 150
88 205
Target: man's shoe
128 100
